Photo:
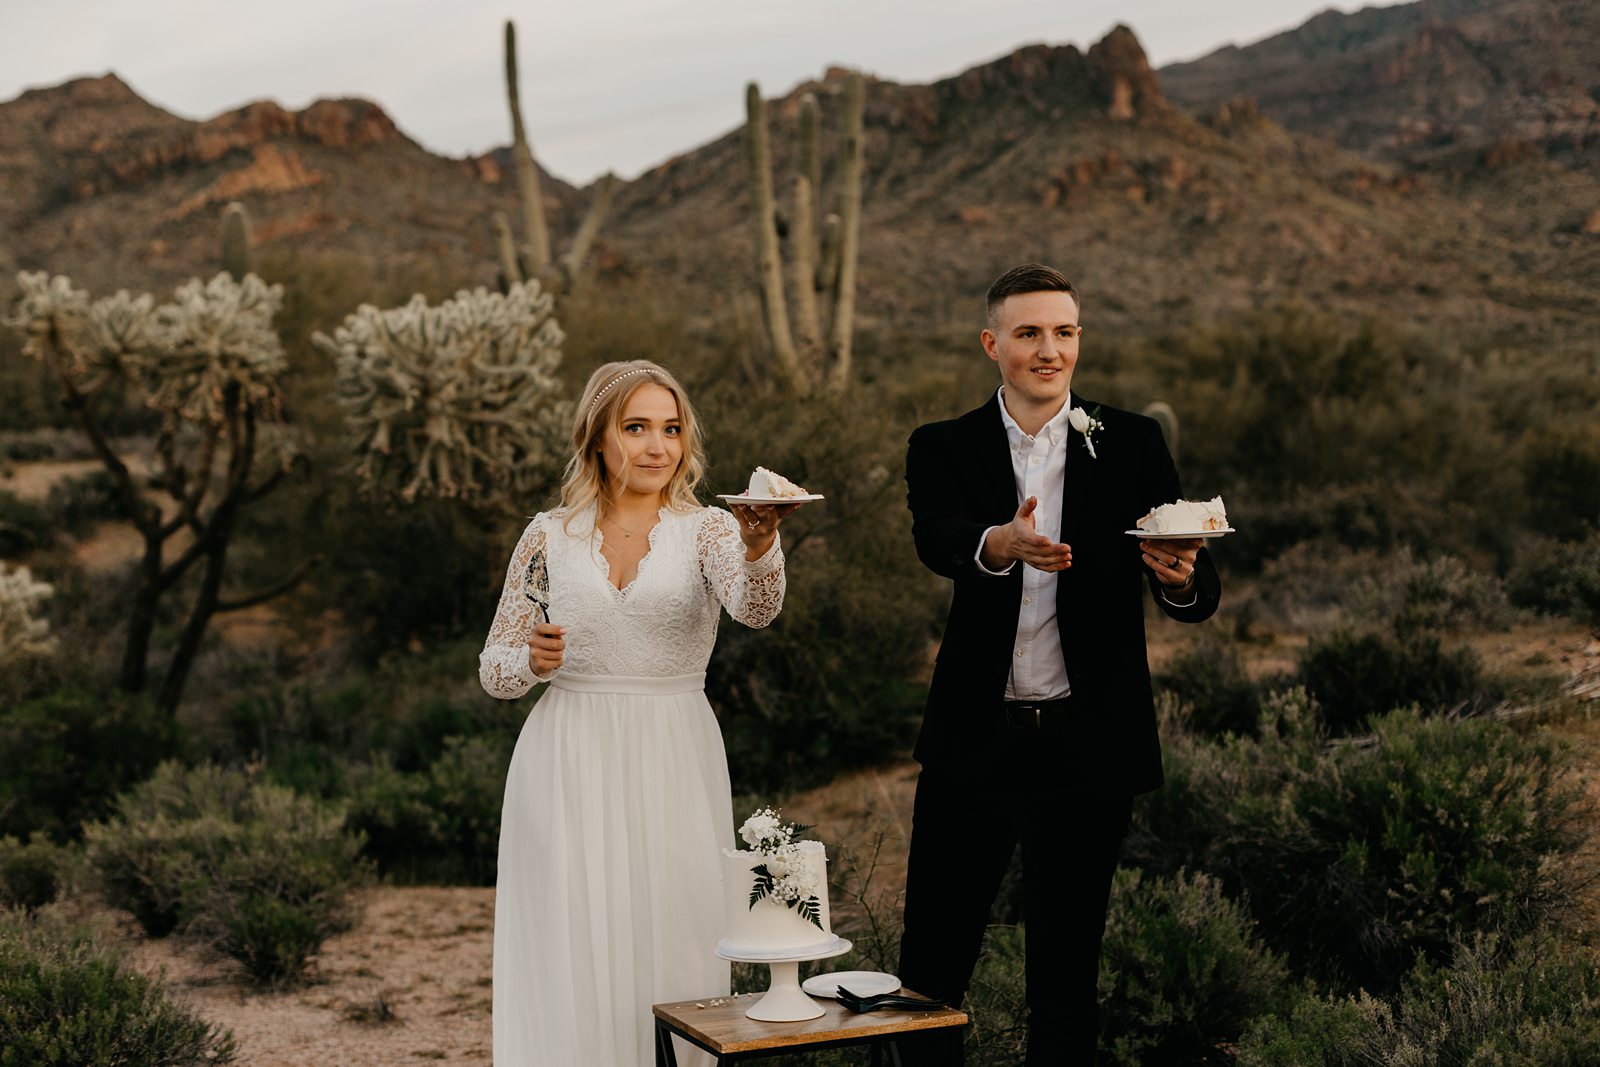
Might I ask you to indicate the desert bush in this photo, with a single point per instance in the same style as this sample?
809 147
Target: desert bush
1534 1003
1209 679
1561 468
66 1001
1359 676
63 757
1412 595
441 825
1181 972
1354 858
24 526
1558 577
252 869
834 682
32 873
76 504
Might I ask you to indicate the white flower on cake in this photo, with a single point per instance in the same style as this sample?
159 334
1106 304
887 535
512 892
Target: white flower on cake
1186 516
773 486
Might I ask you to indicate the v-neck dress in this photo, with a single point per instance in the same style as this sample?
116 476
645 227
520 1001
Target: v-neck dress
617 803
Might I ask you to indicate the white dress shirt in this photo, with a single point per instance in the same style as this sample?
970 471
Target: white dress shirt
1039 466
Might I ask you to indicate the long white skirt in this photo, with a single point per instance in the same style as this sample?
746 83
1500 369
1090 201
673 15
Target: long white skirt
609 897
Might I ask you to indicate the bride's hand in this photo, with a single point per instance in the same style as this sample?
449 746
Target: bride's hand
758 525
545 647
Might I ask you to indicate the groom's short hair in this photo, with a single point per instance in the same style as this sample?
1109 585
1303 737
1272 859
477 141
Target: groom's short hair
1028 278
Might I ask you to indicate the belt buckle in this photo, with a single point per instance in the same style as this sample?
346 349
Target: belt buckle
1038 717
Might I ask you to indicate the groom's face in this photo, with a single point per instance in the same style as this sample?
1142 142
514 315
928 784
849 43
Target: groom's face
1033 337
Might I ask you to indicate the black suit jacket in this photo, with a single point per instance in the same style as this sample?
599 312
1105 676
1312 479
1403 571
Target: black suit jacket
960 482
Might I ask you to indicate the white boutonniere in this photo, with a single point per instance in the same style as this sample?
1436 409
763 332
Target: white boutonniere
1087 425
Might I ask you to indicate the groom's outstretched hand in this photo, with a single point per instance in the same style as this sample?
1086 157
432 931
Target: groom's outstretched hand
1018 540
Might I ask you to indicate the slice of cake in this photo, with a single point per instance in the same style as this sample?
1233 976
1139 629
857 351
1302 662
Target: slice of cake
773 486
775 892
1186 516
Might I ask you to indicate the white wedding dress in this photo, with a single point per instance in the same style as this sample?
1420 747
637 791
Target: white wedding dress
617 799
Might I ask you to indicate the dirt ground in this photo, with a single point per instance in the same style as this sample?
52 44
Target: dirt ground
412 983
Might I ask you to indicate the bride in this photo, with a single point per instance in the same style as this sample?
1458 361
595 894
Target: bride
617 799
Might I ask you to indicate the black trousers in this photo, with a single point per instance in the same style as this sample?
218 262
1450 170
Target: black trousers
964 830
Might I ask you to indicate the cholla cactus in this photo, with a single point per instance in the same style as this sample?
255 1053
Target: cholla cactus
21 634
459 400
214 338
209 362
85 341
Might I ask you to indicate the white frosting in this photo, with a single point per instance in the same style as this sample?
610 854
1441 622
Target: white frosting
765 483
1186 516
771 926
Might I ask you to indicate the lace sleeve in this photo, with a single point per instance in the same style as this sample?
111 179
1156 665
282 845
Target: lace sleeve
751 590
503 666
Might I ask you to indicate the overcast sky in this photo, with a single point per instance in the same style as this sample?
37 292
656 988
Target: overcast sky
606 84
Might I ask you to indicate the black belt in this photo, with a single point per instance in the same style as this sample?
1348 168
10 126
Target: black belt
1035 714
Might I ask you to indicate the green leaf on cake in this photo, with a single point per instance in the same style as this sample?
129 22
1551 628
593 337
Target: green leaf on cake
761 886
810 911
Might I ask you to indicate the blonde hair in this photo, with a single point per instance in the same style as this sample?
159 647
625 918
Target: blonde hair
600 412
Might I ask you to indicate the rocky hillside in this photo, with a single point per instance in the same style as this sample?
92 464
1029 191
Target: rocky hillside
1161 214
99 183
1408 81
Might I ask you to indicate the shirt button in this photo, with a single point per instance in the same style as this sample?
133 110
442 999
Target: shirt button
1019 653
1027 600
1035 459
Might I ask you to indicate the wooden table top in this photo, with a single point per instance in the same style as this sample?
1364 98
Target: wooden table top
720 1023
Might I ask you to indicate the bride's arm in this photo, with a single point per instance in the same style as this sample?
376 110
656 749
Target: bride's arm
503 666
751 590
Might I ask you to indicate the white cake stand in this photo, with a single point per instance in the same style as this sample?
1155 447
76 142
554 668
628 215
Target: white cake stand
785 1001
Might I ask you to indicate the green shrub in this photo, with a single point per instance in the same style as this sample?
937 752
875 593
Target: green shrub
77 504
1209 679
31 874
1413 596
1534 1004
66 1002
1359 676
254 870
63 757
1355 858
441 825
1558 578
1561 468
837 680
997 999
1181 973
24 526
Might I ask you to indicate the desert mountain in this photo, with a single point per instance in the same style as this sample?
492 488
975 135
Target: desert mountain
1076 157
1407 81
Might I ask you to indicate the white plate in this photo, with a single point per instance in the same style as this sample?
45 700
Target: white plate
740 498
861 983
1201 534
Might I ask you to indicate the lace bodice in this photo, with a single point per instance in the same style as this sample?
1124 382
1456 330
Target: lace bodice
662 624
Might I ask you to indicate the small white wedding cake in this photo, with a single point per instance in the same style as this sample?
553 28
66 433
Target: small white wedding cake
773 486
776 893
1186 516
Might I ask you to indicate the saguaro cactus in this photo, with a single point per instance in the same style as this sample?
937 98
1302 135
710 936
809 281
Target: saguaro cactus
823 276
1162 412
238 258
530 260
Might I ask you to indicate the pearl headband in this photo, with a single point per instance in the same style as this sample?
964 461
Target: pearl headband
612 384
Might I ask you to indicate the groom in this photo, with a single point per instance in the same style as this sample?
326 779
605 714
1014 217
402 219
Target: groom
1040 726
